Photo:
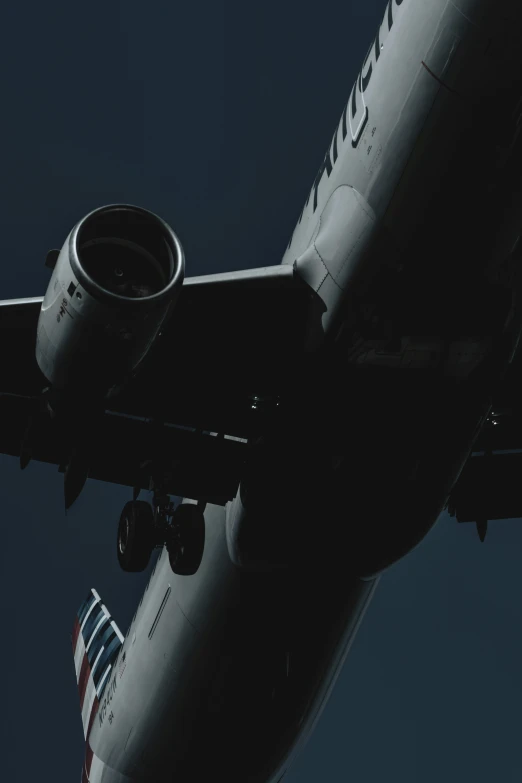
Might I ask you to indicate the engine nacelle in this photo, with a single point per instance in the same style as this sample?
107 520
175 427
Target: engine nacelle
116 278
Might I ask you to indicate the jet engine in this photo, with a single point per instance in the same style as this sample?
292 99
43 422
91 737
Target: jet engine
115 280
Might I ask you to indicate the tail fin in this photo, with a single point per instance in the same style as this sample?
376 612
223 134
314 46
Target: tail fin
96 641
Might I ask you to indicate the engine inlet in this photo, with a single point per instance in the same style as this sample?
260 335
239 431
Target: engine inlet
127 252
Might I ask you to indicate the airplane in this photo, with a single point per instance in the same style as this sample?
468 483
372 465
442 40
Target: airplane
316 417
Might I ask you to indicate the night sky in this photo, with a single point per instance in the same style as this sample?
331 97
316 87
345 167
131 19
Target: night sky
216 115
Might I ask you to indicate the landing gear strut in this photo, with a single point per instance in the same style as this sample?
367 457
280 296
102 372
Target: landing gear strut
143 527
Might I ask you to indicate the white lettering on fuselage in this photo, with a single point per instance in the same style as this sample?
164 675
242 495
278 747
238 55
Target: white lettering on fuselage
102 712
356 113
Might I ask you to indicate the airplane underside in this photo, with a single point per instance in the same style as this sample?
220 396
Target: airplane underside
352 383
338 516
373 432
334 497
346 506
369 479
278 660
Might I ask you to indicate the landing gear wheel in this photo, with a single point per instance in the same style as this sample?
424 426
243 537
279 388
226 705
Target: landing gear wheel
186 539
135 536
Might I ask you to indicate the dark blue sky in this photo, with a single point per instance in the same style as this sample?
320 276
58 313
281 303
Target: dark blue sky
216 115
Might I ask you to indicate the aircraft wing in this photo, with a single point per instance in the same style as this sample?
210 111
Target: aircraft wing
222 354
231 336
489 485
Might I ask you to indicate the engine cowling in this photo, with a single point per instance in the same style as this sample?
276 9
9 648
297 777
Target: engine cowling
116 279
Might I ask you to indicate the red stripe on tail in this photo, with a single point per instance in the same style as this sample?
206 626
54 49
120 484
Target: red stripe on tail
83 679
75 633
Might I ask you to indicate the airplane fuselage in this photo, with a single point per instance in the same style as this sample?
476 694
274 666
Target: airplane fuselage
411 219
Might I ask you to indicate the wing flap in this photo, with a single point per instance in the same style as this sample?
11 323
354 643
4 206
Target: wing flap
199 465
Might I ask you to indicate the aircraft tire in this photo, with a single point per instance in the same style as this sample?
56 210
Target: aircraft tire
186 541
135 536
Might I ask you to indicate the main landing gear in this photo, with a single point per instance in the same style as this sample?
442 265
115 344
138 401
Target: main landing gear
143 527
